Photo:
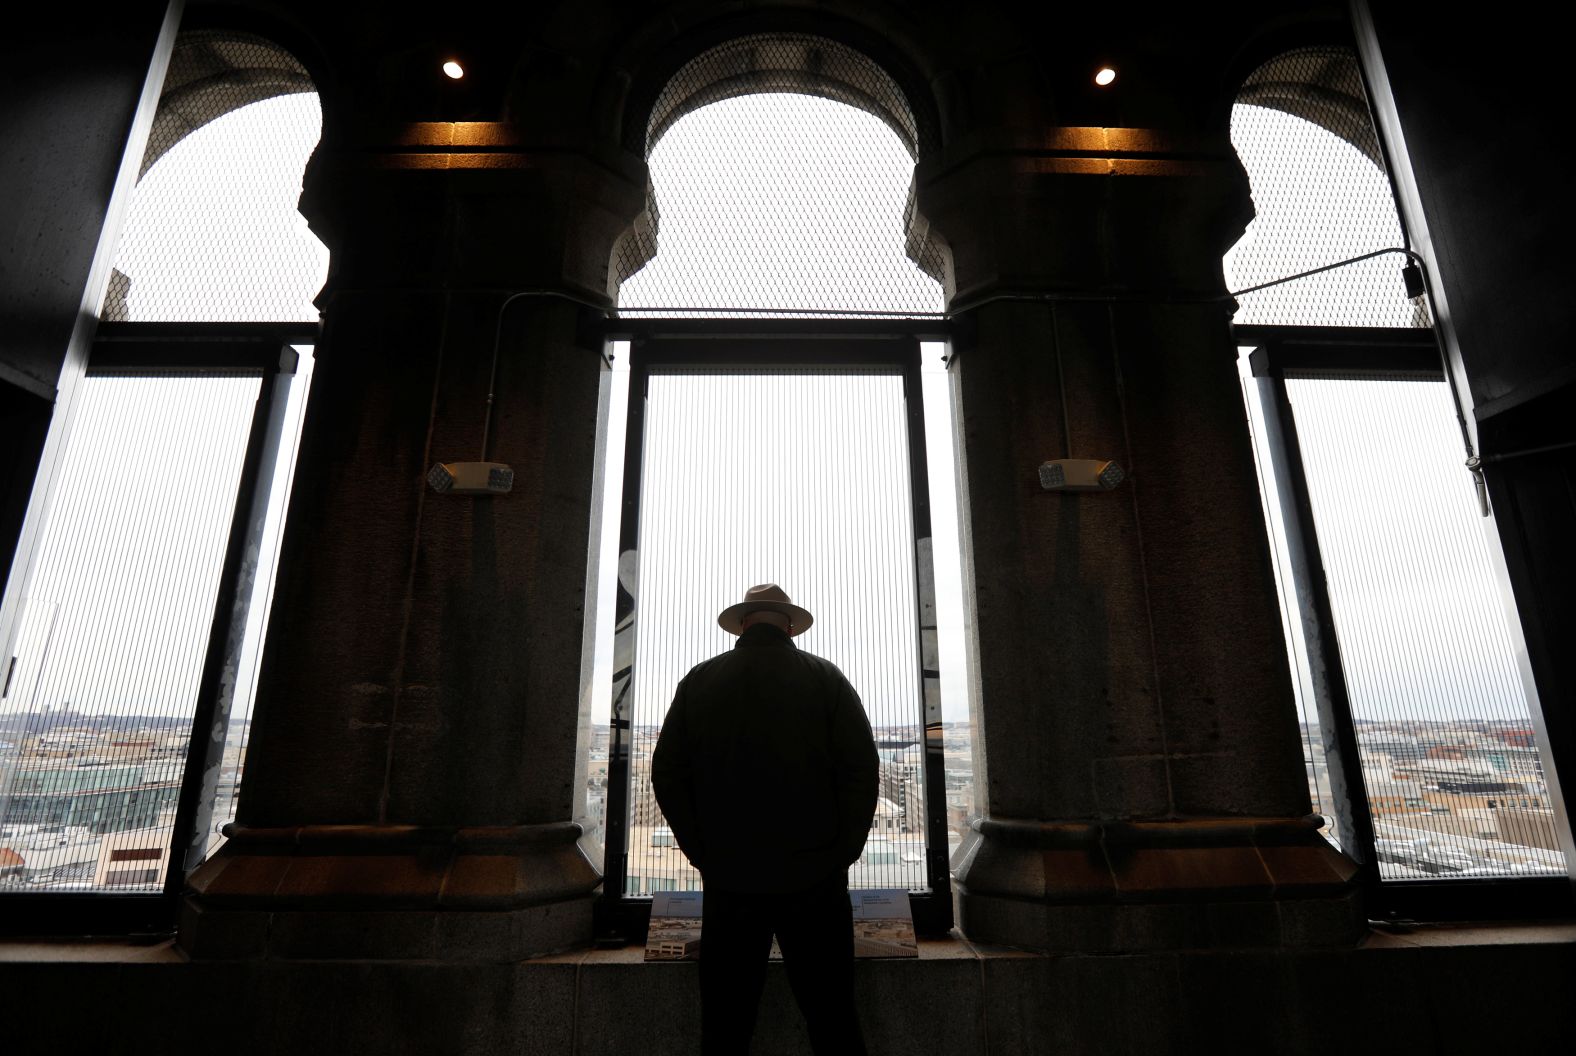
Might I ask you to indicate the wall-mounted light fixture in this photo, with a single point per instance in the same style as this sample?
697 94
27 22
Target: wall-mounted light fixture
453 70
471 478
1104 75
1080 474
1074 474
485 477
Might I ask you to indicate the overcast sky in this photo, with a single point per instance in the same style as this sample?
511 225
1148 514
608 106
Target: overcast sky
120 599
807 216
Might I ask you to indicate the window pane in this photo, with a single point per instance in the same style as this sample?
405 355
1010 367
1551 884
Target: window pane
1455 781
824 513
93 737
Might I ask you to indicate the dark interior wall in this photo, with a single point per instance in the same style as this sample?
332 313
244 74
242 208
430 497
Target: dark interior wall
1475 107
24 421
70 98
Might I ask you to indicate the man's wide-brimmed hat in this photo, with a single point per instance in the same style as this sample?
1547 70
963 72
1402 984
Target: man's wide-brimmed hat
767 597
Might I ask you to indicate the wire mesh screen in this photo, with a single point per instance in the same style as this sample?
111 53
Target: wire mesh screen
780 171
1303 131
1454 778
829 517
97 711
213 233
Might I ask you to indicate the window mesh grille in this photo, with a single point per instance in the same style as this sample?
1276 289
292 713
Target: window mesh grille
213 232
96 721
1303 130
781 171
1454 778
776 63
835 529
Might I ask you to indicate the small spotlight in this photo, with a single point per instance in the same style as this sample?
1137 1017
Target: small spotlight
1104 76
453 70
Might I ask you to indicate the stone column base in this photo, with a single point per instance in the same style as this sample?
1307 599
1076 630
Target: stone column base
391 892
1109 887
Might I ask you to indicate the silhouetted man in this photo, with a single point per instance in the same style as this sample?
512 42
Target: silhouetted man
767 773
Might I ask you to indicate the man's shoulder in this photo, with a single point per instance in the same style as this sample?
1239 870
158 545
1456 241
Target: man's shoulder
709 664
829 675
790 658
823 664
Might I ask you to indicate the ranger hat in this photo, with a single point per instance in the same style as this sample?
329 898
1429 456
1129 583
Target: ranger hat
767 597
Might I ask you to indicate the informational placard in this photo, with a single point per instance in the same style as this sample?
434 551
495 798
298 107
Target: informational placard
883 925
674 934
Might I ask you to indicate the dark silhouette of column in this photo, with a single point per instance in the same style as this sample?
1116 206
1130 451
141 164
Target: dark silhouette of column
1138 766
419 734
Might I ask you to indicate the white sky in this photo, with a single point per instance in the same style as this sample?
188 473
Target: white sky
751 216
116 620
213 232
1319 200
781 201
1406 551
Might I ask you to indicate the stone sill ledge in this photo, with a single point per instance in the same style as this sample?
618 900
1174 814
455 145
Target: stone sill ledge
1454 935
1451 989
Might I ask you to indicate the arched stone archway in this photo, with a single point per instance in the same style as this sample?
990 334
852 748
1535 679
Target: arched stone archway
783 62
213 73
1131 730
1323 85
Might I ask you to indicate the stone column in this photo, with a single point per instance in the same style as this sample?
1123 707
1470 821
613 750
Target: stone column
418 744
1138 767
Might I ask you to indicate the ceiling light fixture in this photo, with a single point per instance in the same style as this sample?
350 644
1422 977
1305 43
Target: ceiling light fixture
453 70
1104 76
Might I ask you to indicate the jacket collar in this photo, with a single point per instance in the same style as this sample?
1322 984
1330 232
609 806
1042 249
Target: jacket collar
763 634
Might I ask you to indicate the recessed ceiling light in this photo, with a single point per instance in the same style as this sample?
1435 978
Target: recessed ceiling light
1104 76
453 69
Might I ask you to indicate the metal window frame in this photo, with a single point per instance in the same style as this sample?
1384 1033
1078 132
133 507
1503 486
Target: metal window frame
178 350
836 345
1351 352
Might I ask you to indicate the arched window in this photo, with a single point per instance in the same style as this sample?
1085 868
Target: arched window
146 589
781 173
213 233
1320 194
781 170
1403 658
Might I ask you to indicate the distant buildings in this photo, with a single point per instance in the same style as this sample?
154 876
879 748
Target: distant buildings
894 855
87 802
1462 796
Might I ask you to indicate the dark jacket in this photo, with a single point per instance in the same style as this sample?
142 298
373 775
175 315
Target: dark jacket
766 769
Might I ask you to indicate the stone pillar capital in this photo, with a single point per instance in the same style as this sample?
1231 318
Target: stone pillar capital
1082 210
471 205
